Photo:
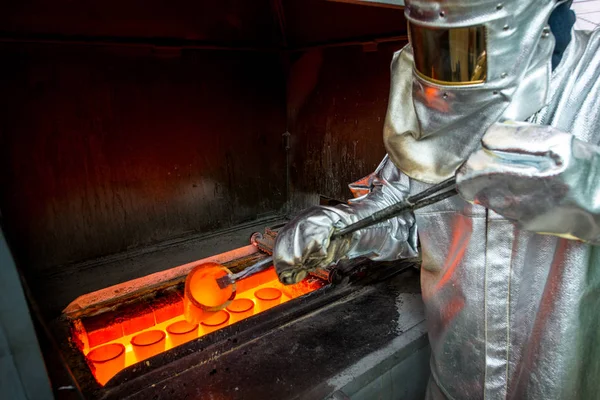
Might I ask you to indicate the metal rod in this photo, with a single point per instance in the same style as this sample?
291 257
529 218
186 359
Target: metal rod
261 265
258 267
448 183
420 200
412 203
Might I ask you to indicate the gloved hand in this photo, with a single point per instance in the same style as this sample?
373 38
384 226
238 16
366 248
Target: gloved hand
304 243
544 180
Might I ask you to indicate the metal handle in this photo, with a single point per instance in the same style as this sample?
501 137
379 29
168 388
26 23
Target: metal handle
261 265
415 202
258 267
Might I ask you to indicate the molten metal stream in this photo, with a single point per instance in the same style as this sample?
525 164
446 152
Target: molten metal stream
178 331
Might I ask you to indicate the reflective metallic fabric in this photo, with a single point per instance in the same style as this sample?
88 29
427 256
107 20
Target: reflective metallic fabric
512 314
424 116
539 178
303 244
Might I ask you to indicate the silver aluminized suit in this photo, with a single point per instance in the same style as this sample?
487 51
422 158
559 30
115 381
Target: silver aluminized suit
512 297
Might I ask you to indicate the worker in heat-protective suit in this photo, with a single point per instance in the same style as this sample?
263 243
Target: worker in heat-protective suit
511 269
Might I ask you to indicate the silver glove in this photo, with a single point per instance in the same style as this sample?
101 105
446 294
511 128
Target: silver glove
544 180
304 244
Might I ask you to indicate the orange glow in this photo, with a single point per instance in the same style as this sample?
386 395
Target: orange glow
181 332
240 305
255 280
168 307
102 336
181 328
240 309
268 294
460 239
202 286
216 321
148 338
107 360
219 318
203 296
433 97
137 320
148 344
431 93
267 298
102 329
176 331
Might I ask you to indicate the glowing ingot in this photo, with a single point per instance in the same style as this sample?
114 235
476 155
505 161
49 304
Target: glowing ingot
107 360
240 309
148 344
215 322
181 332
267 298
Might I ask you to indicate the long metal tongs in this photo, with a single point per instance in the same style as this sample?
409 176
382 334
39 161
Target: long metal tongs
427 197
434 194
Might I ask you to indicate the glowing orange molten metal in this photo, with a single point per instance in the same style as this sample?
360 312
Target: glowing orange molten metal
162 325
203 296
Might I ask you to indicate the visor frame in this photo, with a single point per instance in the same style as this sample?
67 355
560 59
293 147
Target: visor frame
440 82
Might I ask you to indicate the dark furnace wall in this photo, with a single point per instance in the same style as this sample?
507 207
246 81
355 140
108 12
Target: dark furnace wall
106 150
337 94
337 132
123 125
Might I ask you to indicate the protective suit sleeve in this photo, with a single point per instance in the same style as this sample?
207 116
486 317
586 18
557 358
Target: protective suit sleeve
545 180
304 243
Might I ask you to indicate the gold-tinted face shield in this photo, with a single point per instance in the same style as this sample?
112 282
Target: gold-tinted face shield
454 56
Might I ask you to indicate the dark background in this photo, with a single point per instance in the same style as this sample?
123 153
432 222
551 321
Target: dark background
124 124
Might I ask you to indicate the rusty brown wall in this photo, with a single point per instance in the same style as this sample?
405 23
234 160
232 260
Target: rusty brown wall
338 113
104 149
